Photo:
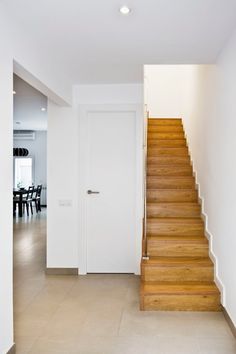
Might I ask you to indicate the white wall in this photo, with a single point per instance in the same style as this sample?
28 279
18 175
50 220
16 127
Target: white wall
108 94
165 89
64 181
208 107
6 241
38 151
29 54
210 127
62 233
15 44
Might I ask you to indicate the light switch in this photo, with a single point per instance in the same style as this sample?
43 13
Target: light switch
65 203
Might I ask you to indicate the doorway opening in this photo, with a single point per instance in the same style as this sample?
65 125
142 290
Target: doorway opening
29 189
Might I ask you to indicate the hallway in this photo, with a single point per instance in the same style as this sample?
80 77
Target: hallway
97 314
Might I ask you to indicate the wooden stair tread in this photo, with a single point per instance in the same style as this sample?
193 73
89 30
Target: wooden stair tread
164 238
166 135
173 209
178 262
168 160
169 170
172 195
169 149
165 129
168 143
169 189
178 178
177 220
174 203
171 183
158 140
168 165
175 226
177 246
187 288
164 121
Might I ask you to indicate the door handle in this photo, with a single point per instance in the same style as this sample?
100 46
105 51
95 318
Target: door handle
92 192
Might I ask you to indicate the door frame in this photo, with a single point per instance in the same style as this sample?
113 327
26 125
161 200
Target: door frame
83 111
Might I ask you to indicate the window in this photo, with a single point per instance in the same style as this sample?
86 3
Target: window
23 172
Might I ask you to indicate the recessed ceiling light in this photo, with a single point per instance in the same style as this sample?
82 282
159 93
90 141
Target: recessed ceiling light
14 92
43 109
125 10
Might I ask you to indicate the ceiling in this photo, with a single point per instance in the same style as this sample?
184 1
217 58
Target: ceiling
94 43
28 103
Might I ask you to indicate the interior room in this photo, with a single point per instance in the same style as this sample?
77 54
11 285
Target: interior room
118 128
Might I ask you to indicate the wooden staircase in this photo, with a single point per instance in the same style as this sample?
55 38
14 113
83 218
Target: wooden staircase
179 274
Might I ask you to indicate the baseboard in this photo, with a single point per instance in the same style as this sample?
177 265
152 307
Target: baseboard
62 271
229 321
212 255
12 350
209 236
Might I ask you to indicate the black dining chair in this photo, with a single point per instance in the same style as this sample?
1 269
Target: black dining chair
26 201
15 201
29 199
37 198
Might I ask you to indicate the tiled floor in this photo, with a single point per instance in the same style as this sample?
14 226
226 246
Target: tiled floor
98 314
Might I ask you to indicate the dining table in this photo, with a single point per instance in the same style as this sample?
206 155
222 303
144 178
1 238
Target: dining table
20 193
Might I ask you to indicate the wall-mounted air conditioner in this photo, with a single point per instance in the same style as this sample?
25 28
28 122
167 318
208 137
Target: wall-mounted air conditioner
24 135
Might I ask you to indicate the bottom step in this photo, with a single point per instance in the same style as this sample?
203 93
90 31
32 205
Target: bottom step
180 297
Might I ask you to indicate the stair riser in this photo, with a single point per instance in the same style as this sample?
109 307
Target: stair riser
171 135
169 210
177 249
161 122
165 129
177 195
170 183
180 302
169 170
177 274
171 229
169 160
158 152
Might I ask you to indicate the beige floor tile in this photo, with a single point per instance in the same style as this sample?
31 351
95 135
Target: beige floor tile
137 323
136 345
179 345
50 346
29 327
176 325
211 326
24 344
66 329
93 345
217 346
100 324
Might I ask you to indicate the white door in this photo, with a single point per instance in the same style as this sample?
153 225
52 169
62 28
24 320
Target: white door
111 212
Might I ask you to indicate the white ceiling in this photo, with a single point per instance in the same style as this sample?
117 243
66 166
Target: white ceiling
94 43
27 107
